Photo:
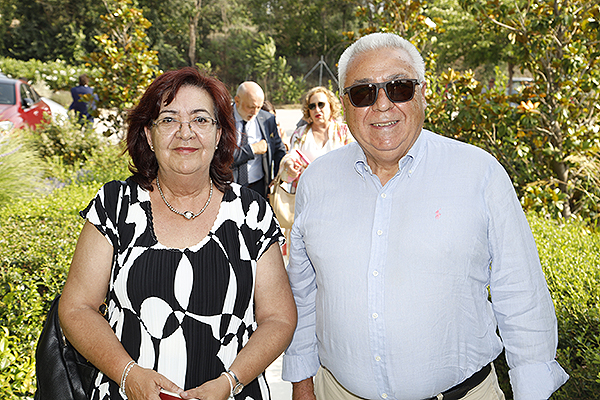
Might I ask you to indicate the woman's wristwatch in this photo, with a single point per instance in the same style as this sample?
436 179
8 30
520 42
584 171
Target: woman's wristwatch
235 388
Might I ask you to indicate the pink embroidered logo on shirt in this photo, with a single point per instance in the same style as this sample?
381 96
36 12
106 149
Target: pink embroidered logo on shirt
438 215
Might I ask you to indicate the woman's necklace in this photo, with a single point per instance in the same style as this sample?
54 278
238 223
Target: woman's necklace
186 214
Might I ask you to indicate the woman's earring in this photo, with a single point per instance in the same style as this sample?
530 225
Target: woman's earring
152 148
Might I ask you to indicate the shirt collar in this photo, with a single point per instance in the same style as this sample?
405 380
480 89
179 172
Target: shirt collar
408 162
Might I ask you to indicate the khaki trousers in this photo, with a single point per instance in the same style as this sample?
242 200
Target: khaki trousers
328 388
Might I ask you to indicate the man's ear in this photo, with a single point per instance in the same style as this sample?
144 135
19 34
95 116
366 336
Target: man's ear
423 90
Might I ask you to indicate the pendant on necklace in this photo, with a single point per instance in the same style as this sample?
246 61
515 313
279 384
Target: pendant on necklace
188 214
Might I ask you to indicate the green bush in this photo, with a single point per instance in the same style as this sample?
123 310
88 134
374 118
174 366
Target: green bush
570 256
69 140
56 74
37 240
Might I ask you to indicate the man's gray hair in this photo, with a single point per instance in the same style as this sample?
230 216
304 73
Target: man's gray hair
376 41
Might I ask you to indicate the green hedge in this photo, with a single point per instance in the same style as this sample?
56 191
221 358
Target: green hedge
570 256
37 240
58 75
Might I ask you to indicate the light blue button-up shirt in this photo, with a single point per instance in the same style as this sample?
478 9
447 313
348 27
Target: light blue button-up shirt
391 282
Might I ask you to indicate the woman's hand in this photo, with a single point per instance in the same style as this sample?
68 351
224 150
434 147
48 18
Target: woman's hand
142 383
217 389
293 167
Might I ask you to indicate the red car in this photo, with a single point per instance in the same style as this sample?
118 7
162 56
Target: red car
20 105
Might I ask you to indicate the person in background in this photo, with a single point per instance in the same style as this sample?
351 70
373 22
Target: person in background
267 106
82 107
260 149
410 253
321 134
199 302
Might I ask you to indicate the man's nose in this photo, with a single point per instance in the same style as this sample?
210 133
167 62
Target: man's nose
382 103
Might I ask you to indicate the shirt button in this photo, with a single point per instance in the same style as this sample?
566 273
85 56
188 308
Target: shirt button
384 395
377 358
375 273
383 195
375 315
380 232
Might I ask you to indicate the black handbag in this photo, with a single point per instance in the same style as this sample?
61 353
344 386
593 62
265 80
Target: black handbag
61 372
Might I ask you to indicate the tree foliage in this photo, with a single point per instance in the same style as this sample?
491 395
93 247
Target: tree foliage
305 27
272 73
47 30
124 66
559 44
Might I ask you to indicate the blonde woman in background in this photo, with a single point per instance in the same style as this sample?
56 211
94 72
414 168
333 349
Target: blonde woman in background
323 133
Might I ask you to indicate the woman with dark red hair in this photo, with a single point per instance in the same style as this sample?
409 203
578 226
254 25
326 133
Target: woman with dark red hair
198 299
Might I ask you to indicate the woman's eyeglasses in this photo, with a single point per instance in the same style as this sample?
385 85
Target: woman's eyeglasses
169 126
313 106
397 90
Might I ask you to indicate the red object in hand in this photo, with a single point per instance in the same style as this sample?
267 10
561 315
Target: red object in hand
166 395
304 159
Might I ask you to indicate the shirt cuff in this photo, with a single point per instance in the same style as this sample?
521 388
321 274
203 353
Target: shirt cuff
299 368
537 381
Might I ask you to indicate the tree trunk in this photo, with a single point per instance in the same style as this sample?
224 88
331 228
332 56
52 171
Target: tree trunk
562 174
193 32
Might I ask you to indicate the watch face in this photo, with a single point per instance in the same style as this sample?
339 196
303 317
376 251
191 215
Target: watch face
238 388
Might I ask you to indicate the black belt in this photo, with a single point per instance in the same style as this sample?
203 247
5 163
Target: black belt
459 391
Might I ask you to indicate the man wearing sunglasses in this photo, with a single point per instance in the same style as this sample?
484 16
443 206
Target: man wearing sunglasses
409 251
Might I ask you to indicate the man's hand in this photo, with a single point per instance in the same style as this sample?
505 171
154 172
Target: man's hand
259 147
303 390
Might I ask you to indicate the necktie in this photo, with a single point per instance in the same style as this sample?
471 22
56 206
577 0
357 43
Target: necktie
243 169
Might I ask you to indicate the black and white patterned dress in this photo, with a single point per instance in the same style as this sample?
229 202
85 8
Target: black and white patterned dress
185 313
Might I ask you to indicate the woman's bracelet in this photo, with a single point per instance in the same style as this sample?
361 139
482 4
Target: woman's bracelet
229 379
126 371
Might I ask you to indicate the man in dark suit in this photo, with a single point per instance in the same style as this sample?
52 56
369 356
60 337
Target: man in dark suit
80 106
256 161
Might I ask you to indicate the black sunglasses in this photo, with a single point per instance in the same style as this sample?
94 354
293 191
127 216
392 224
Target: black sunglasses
397 90
313 106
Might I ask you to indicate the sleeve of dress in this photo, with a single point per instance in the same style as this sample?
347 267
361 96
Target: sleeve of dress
301 358
102 212
520 296
269 231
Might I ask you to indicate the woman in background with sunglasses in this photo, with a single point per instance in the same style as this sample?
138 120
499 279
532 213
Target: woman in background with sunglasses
323 133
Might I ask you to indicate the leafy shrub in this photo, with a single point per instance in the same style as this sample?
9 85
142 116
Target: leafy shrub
56 74
37 240
73 142
570 257
19 169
